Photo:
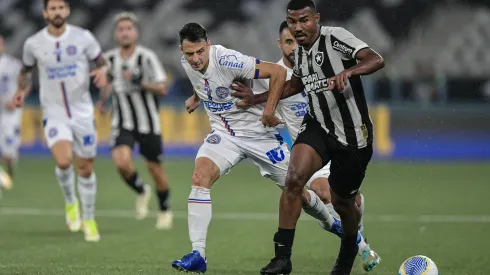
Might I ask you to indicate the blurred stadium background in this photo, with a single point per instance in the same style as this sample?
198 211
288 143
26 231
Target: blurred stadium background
427 189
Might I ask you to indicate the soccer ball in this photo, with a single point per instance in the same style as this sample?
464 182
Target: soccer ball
418 265
5 180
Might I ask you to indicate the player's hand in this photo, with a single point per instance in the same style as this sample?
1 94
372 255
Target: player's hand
192 103
18 99
244 93
270 120
100 77
339 82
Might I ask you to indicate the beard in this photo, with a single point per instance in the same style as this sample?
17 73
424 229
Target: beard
58 22
290 58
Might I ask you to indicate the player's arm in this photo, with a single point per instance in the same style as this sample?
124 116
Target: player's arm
192 103
157 83
24 80
248 98
277 77
352 48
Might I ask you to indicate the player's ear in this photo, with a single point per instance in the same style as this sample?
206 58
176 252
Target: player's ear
45 14
317 18
180 47
208 43
279 43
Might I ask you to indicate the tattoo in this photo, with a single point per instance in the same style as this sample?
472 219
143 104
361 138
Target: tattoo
25 77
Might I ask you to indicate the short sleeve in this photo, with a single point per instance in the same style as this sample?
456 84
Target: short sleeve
93 49
346 43
28 57
240 65
156 72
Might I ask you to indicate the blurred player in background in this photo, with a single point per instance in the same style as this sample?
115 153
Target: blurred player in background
10 116
138 79
61 53
236 134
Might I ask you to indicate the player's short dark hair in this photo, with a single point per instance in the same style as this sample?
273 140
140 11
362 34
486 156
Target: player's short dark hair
193 32
283 26
301 4
47 1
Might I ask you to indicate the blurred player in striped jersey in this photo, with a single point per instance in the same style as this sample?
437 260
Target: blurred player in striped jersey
61 53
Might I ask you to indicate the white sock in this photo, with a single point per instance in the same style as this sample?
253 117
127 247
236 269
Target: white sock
362 246
87 189
361 208
318 210
200 212
66 179
332 211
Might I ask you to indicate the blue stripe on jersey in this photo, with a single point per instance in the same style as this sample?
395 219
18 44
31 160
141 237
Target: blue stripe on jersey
257 69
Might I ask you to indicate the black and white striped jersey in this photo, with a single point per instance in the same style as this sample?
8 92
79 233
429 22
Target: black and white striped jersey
343 115
133 107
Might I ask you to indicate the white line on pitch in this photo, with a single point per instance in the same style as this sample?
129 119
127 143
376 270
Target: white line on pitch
112 213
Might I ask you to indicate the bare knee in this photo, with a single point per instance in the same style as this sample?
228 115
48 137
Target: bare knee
321 187
295 183
85 167
200 179
63 163
343 206
124 166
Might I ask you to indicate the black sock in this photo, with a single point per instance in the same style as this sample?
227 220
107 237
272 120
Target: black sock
283 240
163 199
136 183
347 255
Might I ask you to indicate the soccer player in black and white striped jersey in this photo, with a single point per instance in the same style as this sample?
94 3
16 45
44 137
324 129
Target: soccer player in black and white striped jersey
138 79
328 64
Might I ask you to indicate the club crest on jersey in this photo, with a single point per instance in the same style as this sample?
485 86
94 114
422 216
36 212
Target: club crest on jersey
52 132
319 58
213 139
71 50
222 92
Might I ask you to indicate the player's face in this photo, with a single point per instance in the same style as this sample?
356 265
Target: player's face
56 13
303 25
287 44
197 54
126 33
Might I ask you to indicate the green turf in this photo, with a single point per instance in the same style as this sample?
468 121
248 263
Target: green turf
245 207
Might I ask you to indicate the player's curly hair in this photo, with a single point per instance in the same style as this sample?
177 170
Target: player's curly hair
47 1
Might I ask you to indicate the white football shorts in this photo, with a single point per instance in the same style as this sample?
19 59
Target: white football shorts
269 153
10 138
81 133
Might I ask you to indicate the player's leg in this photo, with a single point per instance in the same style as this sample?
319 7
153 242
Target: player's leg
85 148
10 138
305 161
122 155
151 150
348 169
59 138
215 157
320 185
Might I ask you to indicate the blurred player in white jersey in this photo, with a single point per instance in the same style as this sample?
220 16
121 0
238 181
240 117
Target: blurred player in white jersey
10 117
236 134
292 110
61 53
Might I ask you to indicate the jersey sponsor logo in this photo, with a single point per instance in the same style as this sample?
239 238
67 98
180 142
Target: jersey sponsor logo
302 128
52 132
231 61
216 107
314 83
213 139
299 109
222 92
71 50
88 140
319 57
276 155
341 46
61 72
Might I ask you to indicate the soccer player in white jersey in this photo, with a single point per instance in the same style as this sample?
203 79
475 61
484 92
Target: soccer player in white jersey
10 117
236 134
292 110
61 53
